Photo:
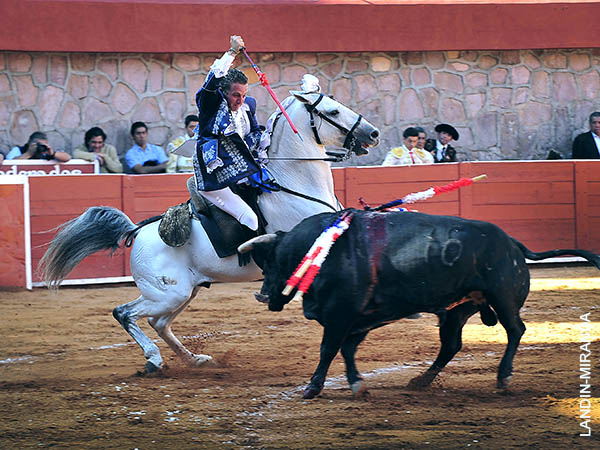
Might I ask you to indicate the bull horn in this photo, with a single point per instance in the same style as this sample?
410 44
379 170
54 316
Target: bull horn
249 245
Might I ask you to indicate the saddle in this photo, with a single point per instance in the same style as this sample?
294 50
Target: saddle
224 232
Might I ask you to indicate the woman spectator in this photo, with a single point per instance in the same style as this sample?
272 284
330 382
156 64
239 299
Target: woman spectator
95 148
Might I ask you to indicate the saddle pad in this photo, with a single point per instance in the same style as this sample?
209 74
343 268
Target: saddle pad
175 227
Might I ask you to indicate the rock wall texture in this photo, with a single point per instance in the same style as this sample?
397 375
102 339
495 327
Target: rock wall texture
505 104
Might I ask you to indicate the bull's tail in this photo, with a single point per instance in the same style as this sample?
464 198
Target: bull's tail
98 228
589 256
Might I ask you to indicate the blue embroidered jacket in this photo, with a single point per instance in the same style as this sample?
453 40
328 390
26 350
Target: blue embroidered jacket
227 153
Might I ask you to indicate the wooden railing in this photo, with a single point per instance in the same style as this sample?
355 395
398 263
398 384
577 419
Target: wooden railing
544 204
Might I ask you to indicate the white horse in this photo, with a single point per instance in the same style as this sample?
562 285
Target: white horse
170 277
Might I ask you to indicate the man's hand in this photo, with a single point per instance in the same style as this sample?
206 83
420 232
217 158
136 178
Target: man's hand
237 43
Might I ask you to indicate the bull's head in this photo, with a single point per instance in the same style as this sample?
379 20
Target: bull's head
264 250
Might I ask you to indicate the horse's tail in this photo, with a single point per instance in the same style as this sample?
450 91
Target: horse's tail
98 228
589 256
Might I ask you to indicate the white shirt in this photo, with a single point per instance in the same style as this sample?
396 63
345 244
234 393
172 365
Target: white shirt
240 122
596 140
441 150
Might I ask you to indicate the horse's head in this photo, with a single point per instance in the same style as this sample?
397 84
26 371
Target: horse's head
336 125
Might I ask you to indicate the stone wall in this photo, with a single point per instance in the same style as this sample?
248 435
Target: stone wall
506 105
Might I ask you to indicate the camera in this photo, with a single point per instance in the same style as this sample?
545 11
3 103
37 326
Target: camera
42 151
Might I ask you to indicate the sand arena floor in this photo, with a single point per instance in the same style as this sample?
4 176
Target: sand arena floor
69 376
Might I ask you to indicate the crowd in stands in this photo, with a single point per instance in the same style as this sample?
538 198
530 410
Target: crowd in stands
144 157
417 149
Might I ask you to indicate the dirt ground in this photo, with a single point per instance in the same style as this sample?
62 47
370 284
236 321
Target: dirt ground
69 376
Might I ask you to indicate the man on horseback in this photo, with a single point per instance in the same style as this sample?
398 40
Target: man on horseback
228 132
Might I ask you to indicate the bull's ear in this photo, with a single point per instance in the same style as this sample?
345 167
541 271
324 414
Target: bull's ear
258 240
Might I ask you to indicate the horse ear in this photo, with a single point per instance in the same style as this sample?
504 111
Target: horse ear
301 96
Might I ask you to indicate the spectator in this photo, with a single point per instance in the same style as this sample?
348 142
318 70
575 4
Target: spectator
3 153
228 132
96 149
144 157
180 163
37 147
587 145
440 148
408 153
422 138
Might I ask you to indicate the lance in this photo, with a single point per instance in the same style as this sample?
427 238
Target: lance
432 191
427 194
263 80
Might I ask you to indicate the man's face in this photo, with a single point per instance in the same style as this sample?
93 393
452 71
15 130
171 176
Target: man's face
410 142
190 128
236 96
595 125
40 141
140 136
421 140
444 137
96 143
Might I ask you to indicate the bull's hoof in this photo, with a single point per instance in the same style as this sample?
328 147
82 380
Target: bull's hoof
503 383
359 390
311 392
420 382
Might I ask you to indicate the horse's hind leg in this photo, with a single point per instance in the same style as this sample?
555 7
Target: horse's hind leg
162 325
126 315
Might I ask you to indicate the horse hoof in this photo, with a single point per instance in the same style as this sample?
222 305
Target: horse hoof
151 367
310 392
200 360
503 383
359 389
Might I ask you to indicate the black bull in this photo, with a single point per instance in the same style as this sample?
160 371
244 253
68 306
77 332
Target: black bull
390 265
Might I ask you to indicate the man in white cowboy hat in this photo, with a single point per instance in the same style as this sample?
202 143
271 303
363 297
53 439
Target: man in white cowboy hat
440 148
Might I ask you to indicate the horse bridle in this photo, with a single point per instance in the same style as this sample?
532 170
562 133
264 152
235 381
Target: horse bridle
351 143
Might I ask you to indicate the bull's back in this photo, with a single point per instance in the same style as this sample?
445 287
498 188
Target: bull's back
439 259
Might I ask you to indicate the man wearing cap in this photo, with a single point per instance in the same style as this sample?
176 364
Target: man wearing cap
440 148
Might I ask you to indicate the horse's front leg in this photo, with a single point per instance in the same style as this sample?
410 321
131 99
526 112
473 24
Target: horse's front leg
162 325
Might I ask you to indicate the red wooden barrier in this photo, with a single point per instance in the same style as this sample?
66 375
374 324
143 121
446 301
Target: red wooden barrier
41 167
55 200
544 204
14 244
297 25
